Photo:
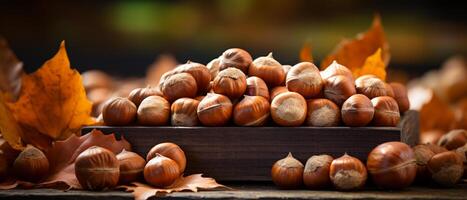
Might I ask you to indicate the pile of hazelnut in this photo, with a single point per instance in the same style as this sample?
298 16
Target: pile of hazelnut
235 88
391 165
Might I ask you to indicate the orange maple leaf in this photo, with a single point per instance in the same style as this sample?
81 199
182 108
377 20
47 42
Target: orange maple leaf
306 53
373 65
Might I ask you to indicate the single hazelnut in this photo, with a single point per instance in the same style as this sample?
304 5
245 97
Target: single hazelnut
153 111
97 168
199 72
357 111
392 165
251 111
462 151
213 68
161 171
214 110
289 109
316 173
371 86
287 173
335 69
139 94
183 112
338 88
304 78
386 111
400 95
230 82
131 166
118 111
276 91
322 112
169 150
431 136
347 173
268 69
422 155
453 139
256 87
31 164
178 85
446 168
237 58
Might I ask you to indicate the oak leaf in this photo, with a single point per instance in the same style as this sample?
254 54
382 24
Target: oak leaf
353 53
190 183
373 65
306 53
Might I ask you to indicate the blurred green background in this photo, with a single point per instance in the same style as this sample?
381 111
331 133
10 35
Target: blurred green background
124 37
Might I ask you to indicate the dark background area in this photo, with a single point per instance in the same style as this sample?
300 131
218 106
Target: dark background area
124 37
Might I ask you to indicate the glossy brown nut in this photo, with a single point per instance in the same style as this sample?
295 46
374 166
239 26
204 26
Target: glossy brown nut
200 73
213 68
251 111
268 69
347 173
97 168
276 91
183 112
178 85
401 96
446 168
335 69
338 88
139 94
169 150
31 164
153 111
161 171
392 165
357 111
214 110
289 109
386 111
287 173
322 112
316 173
118 111
131 167
237 58
230 82
422 155
453 139
304 78
371 86
256 87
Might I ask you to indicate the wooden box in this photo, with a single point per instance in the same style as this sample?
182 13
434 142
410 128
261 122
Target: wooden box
247 153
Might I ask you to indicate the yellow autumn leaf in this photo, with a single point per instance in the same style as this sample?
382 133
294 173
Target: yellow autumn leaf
373 65
9 128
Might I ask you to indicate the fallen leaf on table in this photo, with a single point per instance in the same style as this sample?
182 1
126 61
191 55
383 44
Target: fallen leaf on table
306 53
353 53
373 65
190 183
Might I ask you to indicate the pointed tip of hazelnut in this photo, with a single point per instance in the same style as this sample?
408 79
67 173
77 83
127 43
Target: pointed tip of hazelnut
290 155
269 55
188 62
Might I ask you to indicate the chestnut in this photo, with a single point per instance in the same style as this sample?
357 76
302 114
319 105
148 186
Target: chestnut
335 69
118 111
183 112
251 111
199 72
276 91
256 87
153 111
230 82
446 168
235 57
169 150
304 78
213 68
357 111
287 173
386 111
289 109
338 88
178 85
347 173
97 168
316 173
322 112
453 139
31 164
214 110
161 171
371 86
131 166
268 69
401 96
392 165
422 154
139 94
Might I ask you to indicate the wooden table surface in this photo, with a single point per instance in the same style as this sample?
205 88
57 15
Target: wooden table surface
250 191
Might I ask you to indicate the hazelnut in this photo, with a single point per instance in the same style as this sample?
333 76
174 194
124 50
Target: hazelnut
322 112
422 155
431 136
199 72
338 88
462 151
118 111
154 110
31 164
276 91
392 165
161 171
256 87
268 69
453 139
446 168
371 86
386 111
400 95
357 111
179 85
237 58
230 82
214 110
435 148
97 169
131 166
335 69
139 94
304 78
289 109
287 173
347 173
316 173
169 150
183 112
251 111
213 68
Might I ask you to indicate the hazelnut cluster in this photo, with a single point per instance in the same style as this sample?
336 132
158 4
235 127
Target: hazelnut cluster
236 89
